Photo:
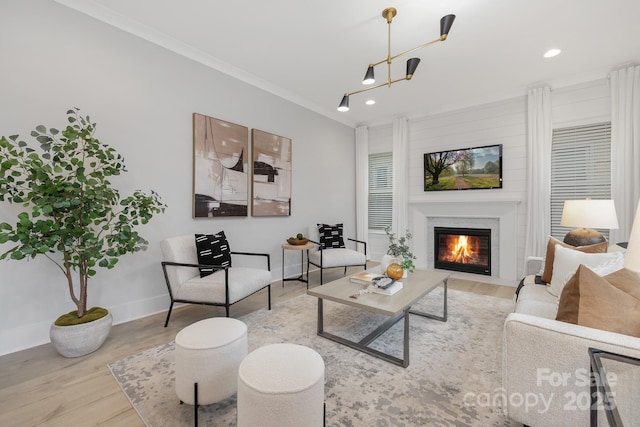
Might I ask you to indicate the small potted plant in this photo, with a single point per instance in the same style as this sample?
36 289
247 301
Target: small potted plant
399 251
75 217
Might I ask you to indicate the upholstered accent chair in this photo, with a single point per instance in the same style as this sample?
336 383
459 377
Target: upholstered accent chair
194 275
330 250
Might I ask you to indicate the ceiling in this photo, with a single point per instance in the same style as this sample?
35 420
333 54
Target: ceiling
311 53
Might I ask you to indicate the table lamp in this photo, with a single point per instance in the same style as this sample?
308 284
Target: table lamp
587 214
632 256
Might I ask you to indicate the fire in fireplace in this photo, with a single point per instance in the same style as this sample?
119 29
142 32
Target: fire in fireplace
463 249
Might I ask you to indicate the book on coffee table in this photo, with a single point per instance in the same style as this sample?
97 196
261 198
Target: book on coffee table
365 278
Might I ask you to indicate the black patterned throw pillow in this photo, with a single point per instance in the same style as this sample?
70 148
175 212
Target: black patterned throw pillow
331 236
213 249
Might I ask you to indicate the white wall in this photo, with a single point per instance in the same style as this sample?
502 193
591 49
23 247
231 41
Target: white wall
581 104
142 98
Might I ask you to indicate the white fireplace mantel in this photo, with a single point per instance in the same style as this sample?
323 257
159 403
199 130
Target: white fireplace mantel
466 201
504 211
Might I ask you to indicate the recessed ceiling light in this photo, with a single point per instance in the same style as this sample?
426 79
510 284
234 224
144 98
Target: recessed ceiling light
551 53
370 102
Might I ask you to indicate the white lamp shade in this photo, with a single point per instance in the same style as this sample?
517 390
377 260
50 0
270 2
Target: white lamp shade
589 213
632 256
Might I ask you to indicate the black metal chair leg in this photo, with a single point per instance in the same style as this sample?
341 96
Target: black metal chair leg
195 404
227 309
269 296
345 271
166 322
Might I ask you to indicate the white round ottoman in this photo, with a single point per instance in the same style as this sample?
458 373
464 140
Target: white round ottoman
209 353
281 385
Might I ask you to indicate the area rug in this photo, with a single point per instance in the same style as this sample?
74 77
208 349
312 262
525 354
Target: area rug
454 376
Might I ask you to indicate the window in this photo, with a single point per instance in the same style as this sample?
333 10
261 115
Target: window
580 168
380 190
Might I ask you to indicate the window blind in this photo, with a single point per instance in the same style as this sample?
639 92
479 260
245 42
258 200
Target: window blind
580 168
380 190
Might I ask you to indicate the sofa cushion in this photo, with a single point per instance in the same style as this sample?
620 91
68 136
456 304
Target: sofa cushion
243 281
610 303
213 249
536 301
337 257
551 249
566 262
331 236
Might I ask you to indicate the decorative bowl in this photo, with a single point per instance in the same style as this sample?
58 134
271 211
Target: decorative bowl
297 241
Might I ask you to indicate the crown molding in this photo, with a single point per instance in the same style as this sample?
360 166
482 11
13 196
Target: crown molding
145 32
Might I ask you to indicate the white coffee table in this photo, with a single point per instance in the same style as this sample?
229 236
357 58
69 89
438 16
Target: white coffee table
396 307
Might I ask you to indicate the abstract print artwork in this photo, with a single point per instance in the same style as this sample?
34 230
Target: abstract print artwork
271 189
220 168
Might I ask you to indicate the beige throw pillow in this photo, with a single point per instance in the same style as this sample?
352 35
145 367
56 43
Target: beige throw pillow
610 303
551 249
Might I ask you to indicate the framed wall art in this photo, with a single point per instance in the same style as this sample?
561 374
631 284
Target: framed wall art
220 168
271 181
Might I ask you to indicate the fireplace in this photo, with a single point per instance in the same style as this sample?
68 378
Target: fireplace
463 249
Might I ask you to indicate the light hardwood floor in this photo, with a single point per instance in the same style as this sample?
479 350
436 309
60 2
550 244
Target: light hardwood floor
40 388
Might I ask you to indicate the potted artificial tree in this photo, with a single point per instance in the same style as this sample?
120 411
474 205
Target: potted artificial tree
75 218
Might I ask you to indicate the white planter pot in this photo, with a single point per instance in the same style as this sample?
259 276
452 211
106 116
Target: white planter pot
78 340
386 261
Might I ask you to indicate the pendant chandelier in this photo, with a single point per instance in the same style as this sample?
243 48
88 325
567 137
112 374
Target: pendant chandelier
445 25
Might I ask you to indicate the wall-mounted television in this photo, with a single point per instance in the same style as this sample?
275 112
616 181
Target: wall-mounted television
464 169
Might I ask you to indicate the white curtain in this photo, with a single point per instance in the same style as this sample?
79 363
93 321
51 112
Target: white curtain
625 148
400 216
362 183
539 137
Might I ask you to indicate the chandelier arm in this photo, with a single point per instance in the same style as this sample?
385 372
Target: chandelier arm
389 52
398 80
389 42
406 51
416 48
367 89
378 63
376 87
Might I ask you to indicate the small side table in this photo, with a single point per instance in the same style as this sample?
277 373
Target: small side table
302 249
599 386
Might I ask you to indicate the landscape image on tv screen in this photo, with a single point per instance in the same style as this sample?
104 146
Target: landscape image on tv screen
464 169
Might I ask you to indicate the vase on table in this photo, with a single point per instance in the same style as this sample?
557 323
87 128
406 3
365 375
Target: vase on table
386 261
